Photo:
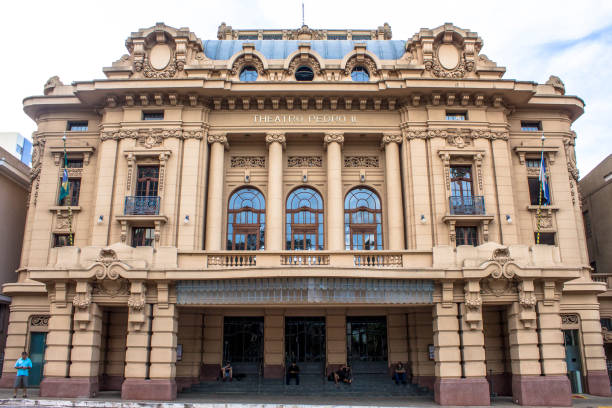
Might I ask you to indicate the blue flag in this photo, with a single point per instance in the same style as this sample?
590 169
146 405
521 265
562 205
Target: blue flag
544 182
64 189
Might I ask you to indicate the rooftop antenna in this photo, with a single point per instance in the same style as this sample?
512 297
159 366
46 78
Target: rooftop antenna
302 13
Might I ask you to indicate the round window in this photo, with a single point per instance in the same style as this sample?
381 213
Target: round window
304 73
360 74
248 73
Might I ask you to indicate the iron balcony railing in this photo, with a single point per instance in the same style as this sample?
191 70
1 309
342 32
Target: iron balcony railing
467 205
141 205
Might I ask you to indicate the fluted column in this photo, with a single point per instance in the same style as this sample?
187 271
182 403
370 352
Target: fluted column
274 204
335 207
214 214
395 213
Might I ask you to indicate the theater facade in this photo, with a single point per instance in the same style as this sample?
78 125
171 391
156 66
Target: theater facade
328 197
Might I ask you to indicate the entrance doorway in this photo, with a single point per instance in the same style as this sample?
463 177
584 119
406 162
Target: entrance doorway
38 343
366 343
243 343
305 343
573 360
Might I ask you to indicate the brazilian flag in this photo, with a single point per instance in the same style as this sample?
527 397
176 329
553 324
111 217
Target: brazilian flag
65 188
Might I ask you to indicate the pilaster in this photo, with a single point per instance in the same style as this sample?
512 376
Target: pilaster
335 325
107 159
395 216
274 203
335 202
274 344
214 213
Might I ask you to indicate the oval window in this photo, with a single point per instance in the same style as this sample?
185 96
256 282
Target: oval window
360 74
304 73
248 73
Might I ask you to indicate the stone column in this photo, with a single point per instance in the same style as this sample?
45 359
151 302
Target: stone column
594 355
84 370
274 202
213 346
274 344
335 324
58 343
425 376
335 201
189 336
107 158
162 385
214 213
457 385
413 353
395 213
398 339
527 381
138 343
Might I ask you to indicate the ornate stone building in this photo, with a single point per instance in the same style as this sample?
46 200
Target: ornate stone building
338 196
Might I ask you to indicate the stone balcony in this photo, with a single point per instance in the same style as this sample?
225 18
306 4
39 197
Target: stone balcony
604 278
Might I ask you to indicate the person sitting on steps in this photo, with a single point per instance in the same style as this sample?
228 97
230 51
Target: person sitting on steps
293 372
399 374
344 375
226 371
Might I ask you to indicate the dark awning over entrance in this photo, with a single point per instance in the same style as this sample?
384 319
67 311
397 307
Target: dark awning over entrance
305 291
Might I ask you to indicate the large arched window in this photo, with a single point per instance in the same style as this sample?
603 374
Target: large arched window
246 220
304 219
362 220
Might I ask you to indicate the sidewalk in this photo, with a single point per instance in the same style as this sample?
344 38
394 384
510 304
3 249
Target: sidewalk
113 400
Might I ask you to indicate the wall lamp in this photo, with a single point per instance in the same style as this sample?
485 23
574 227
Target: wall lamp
423 219
100 219
508 219
186 220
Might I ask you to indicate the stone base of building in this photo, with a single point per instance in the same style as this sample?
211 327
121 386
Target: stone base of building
148 390
425 381
462 391
501 383
210 372
77 387
7 380
273 371
183 383
111 382
537 390
598 383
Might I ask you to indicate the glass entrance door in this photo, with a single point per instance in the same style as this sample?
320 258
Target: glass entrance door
305 343
573 360
37 354
243 343
366 342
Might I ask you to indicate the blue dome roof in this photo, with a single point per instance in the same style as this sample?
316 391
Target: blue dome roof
280 49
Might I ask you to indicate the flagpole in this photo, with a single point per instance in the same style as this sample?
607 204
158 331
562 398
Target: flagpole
539 212
70 236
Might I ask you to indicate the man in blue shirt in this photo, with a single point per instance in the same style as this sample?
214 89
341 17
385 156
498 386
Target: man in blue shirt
23 366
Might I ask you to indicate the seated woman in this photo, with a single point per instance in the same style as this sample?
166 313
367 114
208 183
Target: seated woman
344 375
226 371
399 374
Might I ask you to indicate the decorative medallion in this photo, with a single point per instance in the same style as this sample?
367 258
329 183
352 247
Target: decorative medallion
112 288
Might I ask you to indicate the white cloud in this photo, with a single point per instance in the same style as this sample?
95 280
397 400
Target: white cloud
75 39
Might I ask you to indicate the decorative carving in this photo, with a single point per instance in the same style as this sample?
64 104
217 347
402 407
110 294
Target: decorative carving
473 301
62 221
569 319
305 161
416 134
217 138
556 83
308 60
361 161
498 287
360 60
305 33
331 137
107 265
392 137
39 321
527 300
112 288
136 301
275 137
459 138
168 72
193 134
51 84
81 300
533 171
154 137
248 161
246 60
546 221
38 150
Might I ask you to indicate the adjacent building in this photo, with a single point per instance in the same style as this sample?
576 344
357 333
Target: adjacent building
319 196
14 191
17 145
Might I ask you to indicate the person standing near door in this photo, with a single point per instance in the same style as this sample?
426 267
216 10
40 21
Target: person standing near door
23 366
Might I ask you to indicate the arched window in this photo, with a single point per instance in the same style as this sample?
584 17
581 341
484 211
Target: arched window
304 73
246 220
304 219
248 73
360 74
362 220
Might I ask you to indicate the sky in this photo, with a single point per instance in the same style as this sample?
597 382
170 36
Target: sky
532 39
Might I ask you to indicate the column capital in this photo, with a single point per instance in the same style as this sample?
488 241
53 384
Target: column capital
391 137
218 137
331 137
275 137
